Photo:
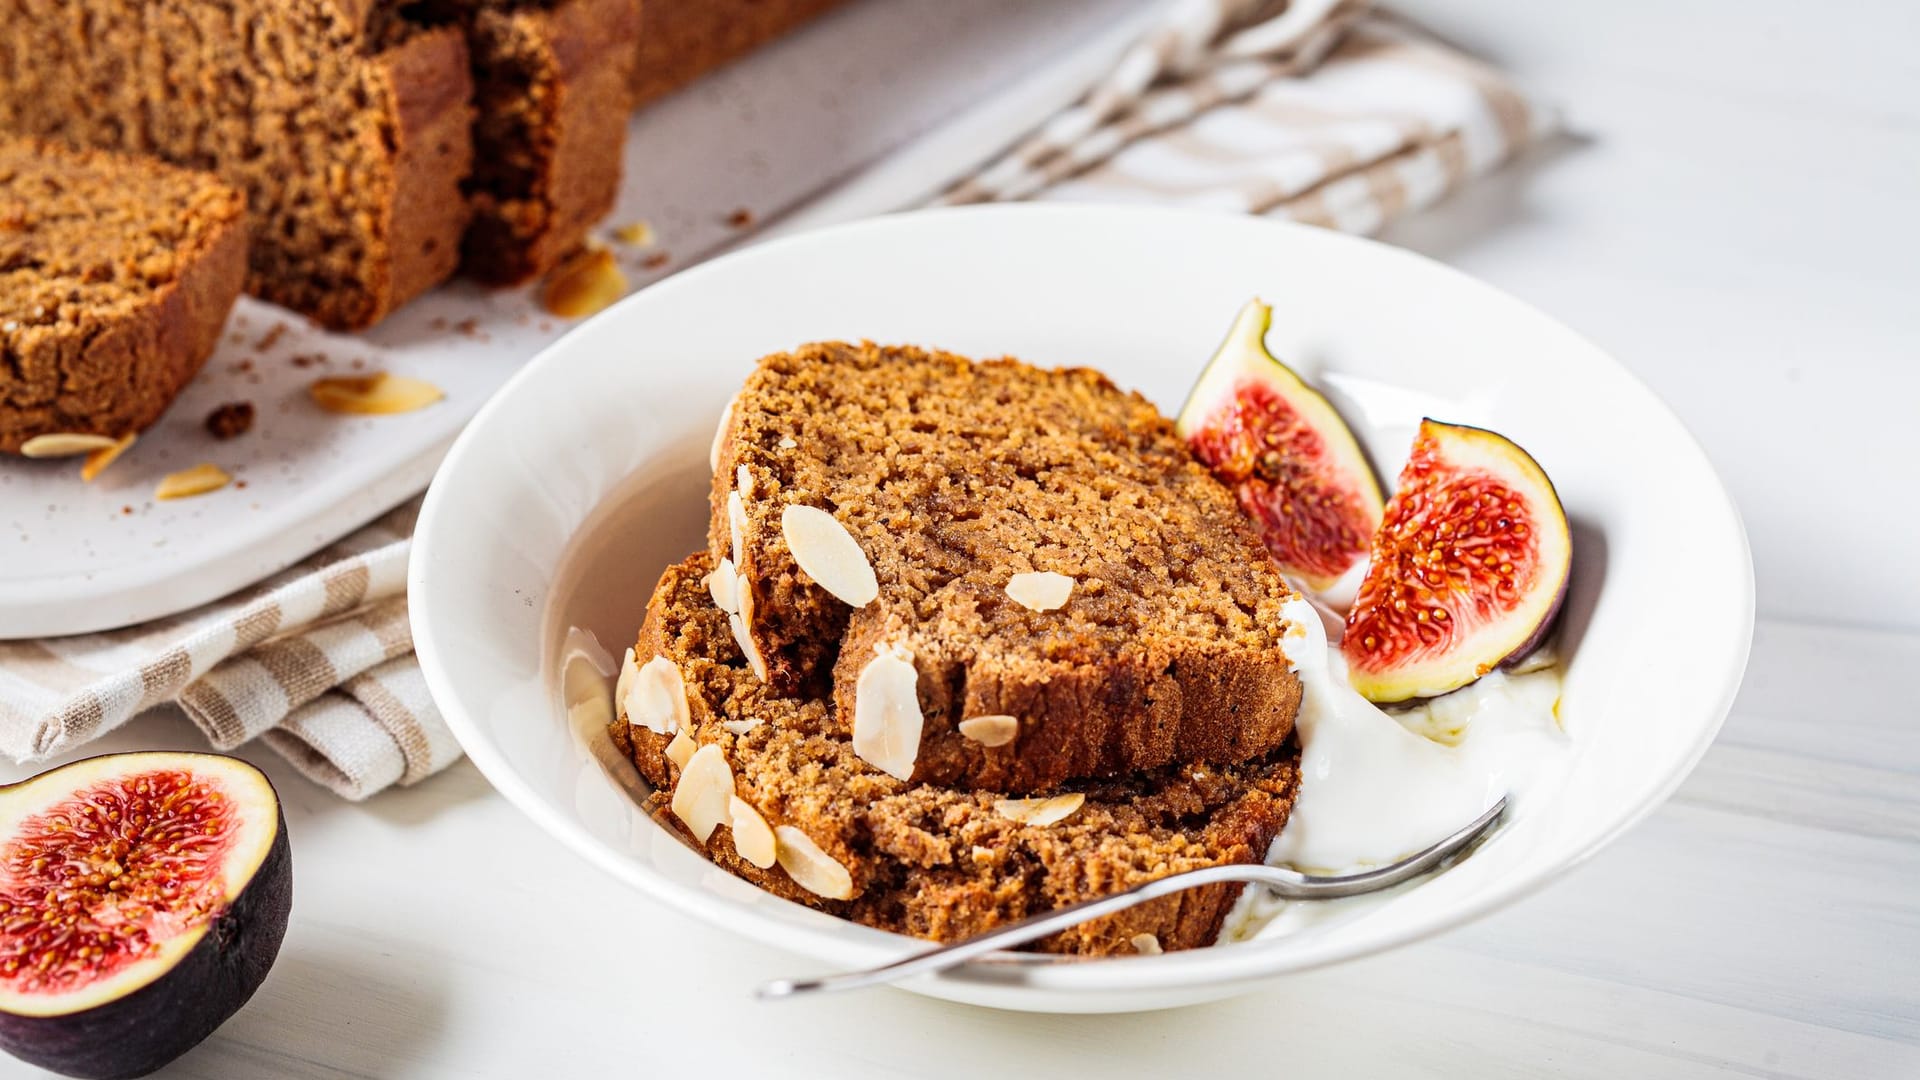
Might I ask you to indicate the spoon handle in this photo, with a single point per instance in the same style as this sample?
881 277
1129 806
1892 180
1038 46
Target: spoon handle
1288 884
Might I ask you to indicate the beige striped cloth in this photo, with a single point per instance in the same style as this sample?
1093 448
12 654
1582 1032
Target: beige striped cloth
1324 111
1328 112
316 662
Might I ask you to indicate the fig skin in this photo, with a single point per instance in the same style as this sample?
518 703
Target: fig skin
136 1034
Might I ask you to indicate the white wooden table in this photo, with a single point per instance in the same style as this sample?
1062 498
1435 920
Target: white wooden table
1740 226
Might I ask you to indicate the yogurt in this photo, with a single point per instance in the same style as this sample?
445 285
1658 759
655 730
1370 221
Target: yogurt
1375 787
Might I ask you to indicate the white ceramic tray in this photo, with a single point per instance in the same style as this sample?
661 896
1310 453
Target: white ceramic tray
765 136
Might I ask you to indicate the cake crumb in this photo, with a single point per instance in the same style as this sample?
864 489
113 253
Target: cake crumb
231 420
271 338
740 219
655 261
635 233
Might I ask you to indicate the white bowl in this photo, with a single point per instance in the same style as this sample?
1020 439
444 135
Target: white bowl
587 474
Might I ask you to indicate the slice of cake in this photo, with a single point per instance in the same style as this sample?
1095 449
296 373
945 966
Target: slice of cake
552 91
772 789
346 126
116 276
1003 576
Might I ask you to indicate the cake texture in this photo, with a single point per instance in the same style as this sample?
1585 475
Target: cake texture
116 276
685 39
931 861
959 481
346 126
553 86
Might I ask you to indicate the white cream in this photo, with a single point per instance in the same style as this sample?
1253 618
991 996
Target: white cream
1375 787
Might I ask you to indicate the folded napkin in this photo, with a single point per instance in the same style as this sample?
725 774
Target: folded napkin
317 661
1328 112
1323 111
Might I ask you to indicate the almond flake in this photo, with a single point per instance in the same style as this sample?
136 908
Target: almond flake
886 712
378 394
1145 944
98 461
737 526
829 554
724 586
198 480
680 748
742 624
996 730
1043 591
720 435
628 669
584 284
787 443
657 698
741 727
64 444
752 836
811 868
1039 811
700 799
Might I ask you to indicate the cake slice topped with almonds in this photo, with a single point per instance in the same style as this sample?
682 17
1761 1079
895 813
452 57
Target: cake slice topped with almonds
1000 576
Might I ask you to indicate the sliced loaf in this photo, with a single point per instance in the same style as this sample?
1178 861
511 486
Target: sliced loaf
116 276
916 858
957 481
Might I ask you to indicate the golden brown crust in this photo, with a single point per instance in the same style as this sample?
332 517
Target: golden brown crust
554 88
953 476
101 334
938 862
685 39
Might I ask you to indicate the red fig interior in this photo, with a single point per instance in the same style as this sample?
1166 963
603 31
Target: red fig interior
1468 568
112 869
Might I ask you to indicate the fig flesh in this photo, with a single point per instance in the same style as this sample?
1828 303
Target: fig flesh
1289 458
143 898
1468 568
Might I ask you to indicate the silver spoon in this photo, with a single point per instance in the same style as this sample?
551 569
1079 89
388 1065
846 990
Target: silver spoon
1287 884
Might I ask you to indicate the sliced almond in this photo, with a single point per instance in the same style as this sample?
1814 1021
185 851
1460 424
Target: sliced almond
700 799
1039 811
829 554
98 461
743 482
198 480
811 868
628 669
720 435
64 444
886 712
741 727
1043 591
996 730
584 284
737 525
680 748
657 698
788 443
741 622
752 836
1145 944
724 586
378 394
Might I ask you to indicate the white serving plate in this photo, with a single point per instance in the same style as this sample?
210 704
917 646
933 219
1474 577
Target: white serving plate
766 135
587 474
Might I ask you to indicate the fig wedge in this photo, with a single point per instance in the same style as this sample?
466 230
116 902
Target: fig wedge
143 897
1468 569
1289 458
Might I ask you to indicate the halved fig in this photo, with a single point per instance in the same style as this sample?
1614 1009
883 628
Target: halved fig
1289 458
1468 570
142 899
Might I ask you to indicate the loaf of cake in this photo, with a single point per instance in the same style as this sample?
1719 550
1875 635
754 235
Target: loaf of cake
771 789
347 127
685 39
1037 551
116 276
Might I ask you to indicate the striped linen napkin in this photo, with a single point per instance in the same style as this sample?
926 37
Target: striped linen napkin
1323 111
1328 112
316 661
